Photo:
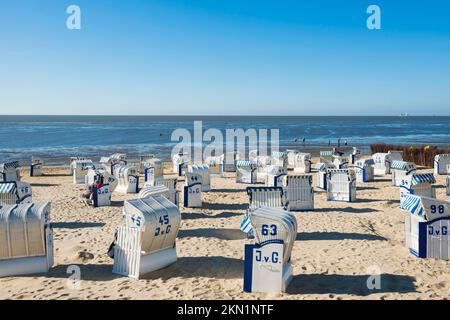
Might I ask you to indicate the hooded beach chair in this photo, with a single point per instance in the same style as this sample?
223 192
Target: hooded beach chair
274 174
427 225
80 169
261 163
364 170
101 197
144 159
341 185
265 197
301 162
245 171
128 179
180 162
9 171
112 162
298 192
419 185
36 167
26 239
400 169
171 184
202 170
290 156
147 241
192 190
321 168
279 159
267 262
153 170
382 163
441 164
15 192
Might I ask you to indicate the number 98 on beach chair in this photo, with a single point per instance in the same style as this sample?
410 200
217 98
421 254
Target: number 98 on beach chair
147 242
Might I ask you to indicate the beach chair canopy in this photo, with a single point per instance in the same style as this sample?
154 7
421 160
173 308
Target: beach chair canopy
422 178
428 208
350 173
22 230
8 187
403 165
265 197
8 166
152 191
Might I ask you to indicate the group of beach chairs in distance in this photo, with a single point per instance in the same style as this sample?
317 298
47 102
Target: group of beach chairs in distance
145 241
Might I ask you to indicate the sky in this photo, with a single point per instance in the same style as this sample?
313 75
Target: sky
217 57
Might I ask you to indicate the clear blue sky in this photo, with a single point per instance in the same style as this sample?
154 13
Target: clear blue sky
225 57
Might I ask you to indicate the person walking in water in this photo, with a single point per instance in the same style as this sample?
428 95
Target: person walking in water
329 142
304 140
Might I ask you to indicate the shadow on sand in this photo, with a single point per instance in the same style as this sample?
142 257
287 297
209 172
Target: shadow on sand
307 236
222 234
77 225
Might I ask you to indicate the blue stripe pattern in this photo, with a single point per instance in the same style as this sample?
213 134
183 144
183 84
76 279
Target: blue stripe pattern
424 177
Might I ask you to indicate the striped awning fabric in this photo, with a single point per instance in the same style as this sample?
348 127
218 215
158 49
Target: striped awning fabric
243 163
401 165
246 225
326 153
421 178
7 187
413 204
10 165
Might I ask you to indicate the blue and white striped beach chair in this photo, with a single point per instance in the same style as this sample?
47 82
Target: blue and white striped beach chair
9 171
364 170
419 185
15 192
399 171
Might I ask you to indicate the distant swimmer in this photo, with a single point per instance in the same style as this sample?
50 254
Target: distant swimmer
160 134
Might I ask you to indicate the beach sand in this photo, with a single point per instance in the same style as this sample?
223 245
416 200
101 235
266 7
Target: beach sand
337 247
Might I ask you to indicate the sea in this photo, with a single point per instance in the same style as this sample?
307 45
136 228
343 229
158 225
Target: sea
56 138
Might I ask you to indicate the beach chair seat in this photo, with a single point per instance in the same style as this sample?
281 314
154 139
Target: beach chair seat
298 192
153 169
427 223
80 169
274 175
36 167
341 185
301 162
15 192
442 164
399 171
192 191
9 171
267 262
128 180
245 172
265 197
26 239
364 170
147 240
202 170
419 185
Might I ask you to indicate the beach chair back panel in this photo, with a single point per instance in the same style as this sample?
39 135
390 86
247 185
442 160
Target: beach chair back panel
192 190
341 185
442 164
203 171
102 196
438 238
127 252
265 197
299 192
382 163
171 184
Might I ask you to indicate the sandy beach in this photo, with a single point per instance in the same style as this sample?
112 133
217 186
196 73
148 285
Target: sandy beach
337 247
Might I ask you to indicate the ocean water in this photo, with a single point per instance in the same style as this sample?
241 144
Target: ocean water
58 137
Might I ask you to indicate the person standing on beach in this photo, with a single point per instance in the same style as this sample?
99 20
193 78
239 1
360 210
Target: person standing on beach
329 142
304 140
339 142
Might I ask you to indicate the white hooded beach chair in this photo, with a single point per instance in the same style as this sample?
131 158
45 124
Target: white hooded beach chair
154 191
419 185
80 169
340 162
265 197
128 179
9 171
274 175
180 162
261 163
245 171
427 223
202 170
192 190
144 159
441 164
214 164
101 196
147 242
112 162
290 155
382 163
341 185
399 171
364 170
354 156
26 239
15 192
153 170
279 159
267 262
298 192
301 162
321 168
36 167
